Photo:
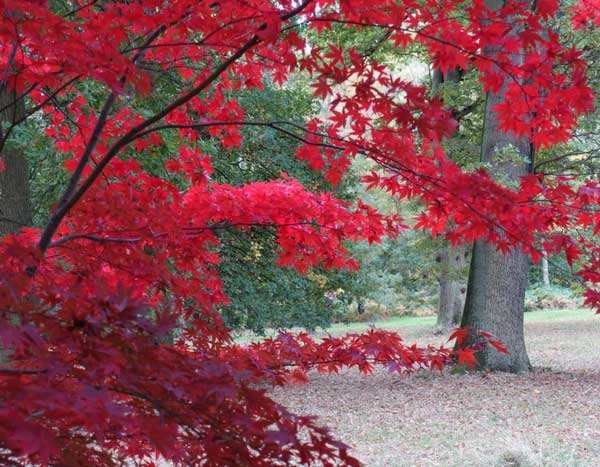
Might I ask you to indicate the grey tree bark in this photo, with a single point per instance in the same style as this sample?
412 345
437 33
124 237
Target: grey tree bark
453 264
496 303
545 270
495 299
453 286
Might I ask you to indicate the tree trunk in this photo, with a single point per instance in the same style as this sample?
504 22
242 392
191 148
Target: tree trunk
15 196
360 306
496 289
452 278
496 294
545 270
496 303
453 287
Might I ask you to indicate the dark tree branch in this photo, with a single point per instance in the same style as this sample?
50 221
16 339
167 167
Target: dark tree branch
63 208
19 372
95 238
63 204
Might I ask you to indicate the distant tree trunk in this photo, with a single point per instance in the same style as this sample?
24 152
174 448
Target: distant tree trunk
545 271
453 262
453 286
15 195
496 289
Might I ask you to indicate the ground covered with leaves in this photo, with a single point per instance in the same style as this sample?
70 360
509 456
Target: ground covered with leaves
550 417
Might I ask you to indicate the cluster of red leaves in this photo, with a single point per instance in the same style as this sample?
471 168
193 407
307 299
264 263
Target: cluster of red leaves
92 384
289 357
586 13
127 258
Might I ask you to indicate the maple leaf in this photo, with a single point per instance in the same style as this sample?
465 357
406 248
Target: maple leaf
499 346
466 357
372 180
460 335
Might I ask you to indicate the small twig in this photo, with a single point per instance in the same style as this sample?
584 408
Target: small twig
18 372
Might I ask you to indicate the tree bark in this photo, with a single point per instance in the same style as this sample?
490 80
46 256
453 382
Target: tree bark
15 195
496 303
453 286
495 299
452 278
545 270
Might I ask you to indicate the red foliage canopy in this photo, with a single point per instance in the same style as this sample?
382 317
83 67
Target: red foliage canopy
127 256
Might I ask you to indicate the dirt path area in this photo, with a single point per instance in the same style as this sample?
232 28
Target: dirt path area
550 417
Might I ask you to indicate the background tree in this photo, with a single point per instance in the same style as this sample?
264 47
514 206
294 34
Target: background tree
453 260
498 280
15 202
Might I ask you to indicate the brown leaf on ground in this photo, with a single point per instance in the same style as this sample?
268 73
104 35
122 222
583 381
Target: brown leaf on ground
550 417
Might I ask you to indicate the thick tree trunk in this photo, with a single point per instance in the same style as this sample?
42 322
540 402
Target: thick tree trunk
495 303
496 290
15 200
453 286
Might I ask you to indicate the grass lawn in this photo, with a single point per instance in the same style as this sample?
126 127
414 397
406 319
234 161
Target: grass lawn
550 417
426 322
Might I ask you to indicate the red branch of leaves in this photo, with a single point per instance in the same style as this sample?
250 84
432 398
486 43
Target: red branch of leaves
130 398
289 357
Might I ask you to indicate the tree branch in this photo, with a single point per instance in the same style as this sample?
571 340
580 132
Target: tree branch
64 208
19 372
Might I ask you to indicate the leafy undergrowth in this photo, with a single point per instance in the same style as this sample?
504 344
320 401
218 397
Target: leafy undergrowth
550 417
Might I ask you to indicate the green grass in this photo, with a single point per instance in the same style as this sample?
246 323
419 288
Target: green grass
392 323
429 321
423 324
557 315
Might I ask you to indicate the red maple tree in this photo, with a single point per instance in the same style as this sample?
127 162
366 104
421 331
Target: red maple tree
127 256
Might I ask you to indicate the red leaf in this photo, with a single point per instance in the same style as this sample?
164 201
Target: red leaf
466 357
499 346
